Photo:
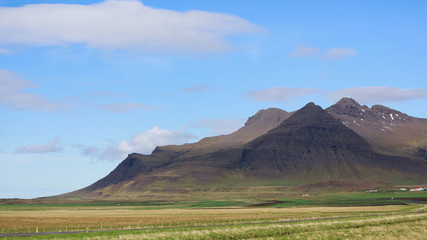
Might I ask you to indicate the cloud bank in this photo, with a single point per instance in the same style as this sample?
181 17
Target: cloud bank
279 94
50 147
336 53
304 52
13 94
123 107
197 88
4 51
365 95
120 24
340 53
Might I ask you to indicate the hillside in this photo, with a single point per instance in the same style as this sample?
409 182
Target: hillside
273 150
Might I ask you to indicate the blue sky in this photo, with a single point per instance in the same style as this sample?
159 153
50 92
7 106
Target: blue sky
84 83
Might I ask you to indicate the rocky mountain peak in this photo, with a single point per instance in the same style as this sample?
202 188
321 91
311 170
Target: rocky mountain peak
309 113
347 106
346 101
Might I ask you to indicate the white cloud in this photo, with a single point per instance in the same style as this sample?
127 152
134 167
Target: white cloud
109 94
88 150
198 88
278 94
50 147
4 51
123 107
332 54
145 142
304 52
13 94
220 126
119 24
340 53
365 95
373 95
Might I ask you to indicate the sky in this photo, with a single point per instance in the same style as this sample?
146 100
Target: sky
85 83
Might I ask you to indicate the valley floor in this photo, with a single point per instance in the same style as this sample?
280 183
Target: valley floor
351 216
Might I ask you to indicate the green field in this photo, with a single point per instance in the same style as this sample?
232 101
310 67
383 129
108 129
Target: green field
337 214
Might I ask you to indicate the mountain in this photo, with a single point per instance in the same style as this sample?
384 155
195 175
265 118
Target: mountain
345 142
174 164
388 131
313 145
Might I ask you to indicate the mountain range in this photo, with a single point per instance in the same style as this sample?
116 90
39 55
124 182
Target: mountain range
345 144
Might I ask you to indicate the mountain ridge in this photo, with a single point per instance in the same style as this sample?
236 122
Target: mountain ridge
275 147
260 123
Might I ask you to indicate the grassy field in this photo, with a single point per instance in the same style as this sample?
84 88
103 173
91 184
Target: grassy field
377 209
402 226
408 226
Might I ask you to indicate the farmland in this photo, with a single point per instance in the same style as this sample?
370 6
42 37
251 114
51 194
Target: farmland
344 214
